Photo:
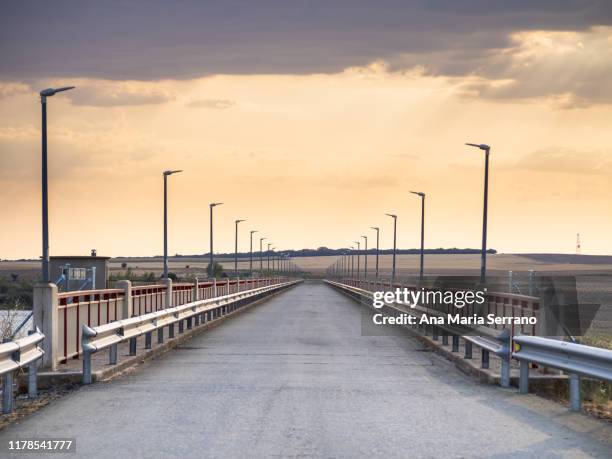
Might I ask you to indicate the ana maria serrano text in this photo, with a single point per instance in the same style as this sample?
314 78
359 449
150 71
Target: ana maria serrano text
457 298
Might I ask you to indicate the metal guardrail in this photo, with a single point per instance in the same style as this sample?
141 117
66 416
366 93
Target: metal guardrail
575 359
489 340
15 355
109 335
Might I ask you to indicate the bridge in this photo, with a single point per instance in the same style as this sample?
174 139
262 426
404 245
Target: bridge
286 372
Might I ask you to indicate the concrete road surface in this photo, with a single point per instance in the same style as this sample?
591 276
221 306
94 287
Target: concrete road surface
293 377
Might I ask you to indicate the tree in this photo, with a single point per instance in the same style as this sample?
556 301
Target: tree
218 270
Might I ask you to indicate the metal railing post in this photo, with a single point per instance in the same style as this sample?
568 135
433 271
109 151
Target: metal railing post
574 392
455 344
33 375
112 354
132 346
468 350
524 377
86 367
484 359
148 339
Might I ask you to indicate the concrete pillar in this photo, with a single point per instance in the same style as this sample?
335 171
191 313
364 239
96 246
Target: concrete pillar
128 308
168 284
196 289
46 316
214 288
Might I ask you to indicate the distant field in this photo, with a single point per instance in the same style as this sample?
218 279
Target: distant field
593 273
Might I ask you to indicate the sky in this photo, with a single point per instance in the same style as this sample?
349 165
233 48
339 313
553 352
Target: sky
310 120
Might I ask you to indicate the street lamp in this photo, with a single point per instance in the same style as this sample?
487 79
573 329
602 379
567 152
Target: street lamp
166 175
251 254
212 266
483 255
365 266
352 255
377 242
422 195
236 249
358 257
45 193
394 244
261 239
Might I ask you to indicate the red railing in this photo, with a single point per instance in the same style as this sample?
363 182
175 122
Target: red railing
98 307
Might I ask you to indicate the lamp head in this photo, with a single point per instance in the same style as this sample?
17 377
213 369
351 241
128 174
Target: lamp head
169 172
375 228
418 193
52 91
392 215
253 231
482 146
238 221
215 204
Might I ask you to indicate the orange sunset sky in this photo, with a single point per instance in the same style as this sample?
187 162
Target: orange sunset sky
310 152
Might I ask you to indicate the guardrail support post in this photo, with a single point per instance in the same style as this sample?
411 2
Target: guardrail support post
171 331
189 323
32 376
46 319
127 310
444 338
148 339
7 393
214 287
132 346
112 354
180 326
574 392
435 332
504 354
485 359
468 350
160 335
455 344
86 367
524 377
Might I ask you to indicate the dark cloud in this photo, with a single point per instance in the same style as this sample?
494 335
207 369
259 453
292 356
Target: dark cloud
186 38
152 40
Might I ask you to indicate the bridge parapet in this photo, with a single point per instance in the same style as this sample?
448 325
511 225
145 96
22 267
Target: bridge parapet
62 315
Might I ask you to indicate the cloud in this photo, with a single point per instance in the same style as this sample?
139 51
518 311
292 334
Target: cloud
218 104
568 68
563 160
155 40
10 89
113 94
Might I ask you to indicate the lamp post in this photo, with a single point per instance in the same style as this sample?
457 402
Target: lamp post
365 265
236 249
261 239
45 188
166 175
377 246
358 253
483 255
251 254
394 245
422 195
352 261
212 266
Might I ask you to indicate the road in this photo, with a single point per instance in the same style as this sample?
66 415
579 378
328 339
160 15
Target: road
293 377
